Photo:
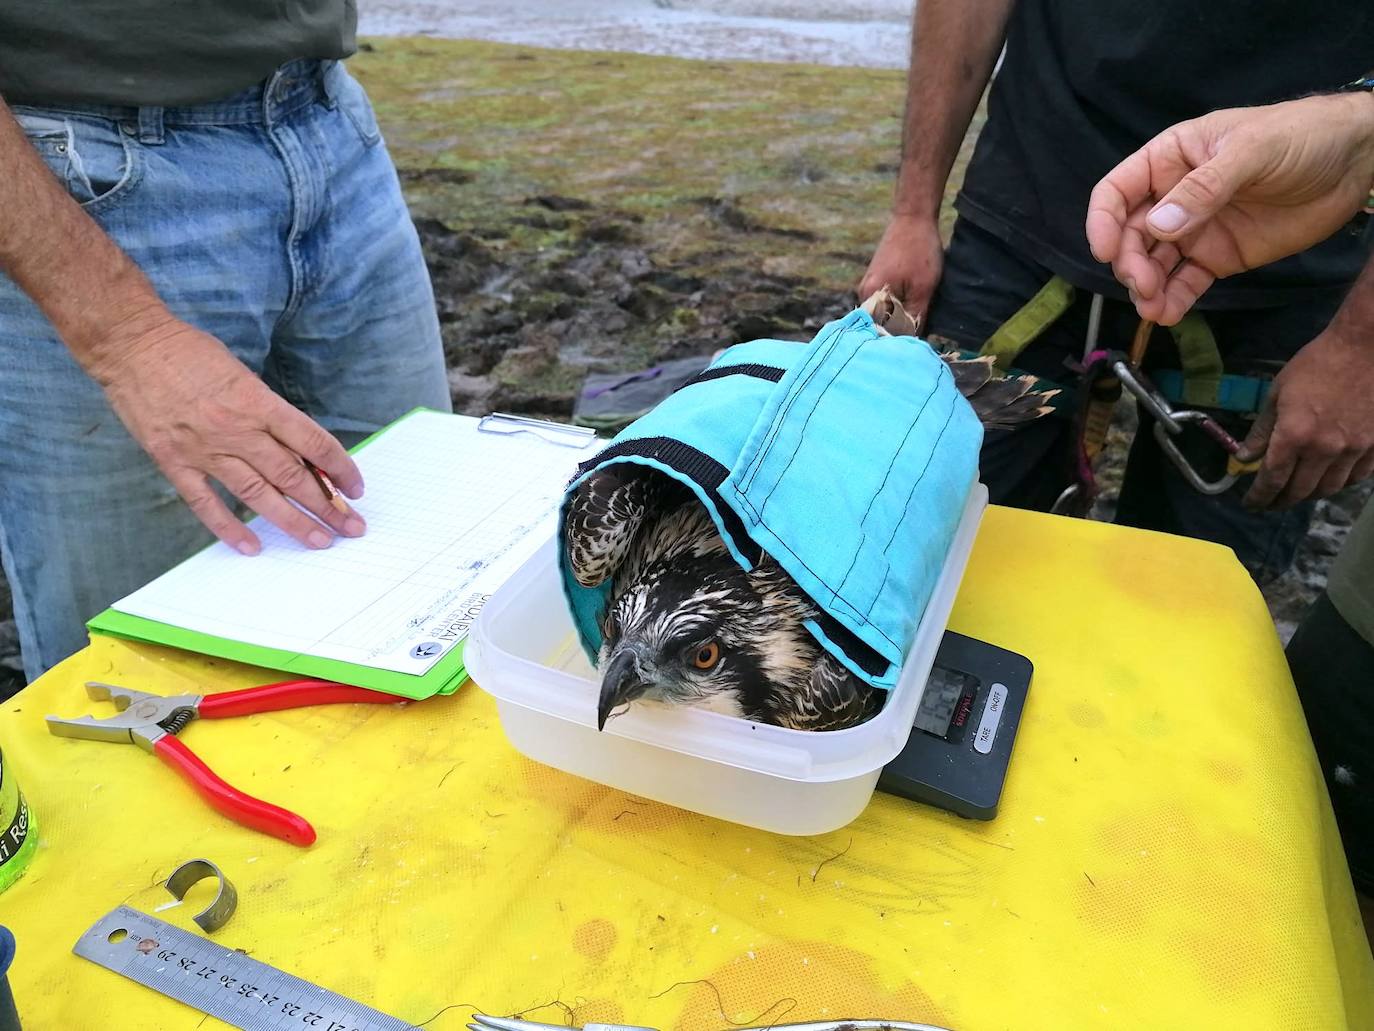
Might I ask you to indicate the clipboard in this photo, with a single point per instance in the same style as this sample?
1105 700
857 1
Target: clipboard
434 550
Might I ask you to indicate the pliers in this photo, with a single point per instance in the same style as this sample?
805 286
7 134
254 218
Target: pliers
153 721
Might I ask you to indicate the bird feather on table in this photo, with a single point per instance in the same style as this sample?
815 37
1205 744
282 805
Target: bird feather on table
685 624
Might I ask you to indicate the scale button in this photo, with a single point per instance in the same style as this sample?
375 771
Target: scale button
992 716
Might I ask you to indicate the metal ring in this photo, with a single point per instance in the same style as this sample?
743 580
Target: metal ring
1061 503
217 913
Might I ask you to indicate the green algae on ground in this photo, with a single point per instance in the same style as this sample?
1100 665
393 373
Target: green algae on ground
801 157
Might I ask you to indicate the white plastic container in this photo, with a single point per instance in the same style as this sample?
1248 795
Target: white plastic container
523 652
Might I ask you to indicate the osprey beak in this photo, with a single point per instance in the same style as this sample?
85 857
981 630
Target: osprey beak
620 683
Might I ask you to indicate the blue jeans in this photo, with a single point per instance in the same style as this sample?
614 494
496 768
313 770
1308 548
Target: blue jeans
273 220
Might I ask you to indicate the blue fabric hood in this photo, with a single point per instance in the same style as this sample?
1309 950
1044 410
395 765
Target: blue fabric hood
848 459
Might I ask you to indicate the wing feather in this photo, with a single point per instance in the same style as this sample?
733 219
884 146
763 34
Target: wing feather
604 514
834 699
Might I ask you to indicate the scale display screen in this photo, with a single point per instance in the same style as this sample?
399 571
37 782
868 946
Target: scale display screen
961 739
947 702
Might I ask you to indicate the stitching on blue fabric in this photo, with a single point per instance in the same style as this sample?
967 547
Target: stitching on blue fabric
906 510
806 424
835 599
863 539
906 507
814 362
864 618
854 613
816 359
888 475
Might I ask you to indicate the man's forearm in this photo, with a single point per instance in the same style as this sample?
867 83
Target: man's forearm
954 46
95 296
1354 319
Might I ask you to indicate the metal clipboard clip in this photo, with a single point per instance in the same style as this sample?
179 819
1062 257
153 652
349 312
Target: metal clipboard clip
563 435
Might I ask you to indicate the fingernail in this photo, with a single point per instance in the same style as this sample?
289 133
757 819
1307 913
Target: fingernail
354 526
1167 218
247 547
1129 283
1134 297
317 539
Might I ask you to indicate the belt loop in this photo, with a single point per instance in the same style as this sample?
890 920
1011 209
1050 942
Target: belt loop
269 96
150 129
329 83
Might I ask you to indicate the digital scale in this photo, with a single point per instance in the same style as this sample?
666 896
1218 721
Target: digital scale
960 744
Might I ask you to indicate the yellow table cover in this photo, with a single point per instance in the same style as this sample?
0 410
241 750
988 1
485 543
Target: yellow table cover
1165 855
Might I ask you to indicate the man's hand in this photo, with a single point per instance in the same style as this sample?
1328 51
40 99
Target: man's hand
1317 430
908 260
1230 191
202 414
186 399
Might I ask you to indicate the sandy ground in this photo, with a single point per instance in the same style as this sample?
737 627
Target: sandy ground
870 33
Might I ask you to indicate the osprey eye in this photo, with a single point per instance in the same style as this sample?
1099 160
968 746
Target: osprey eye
707 656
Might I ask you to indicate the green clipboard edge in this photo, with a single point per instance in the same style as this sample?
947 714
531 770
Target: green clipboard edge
444 677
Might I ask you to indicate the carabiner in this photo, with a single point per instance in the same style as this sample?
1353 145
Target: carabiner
1146 393
1235 468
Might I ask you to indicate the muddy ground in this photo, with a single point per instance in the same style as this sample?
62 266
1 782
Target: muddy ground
598 212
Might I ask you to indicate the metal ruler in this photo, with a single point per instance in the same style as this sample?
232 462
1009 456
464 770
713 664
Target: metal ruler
225 984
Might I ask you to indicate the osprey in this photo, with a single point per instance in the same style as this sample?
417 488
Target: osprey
684 623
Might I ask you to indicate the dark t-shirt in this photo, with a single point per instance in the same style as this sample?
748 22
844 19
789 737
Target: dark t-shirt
1086 82
162 53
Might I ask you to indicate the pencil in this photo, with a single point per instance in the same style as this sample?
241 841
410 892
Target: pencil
331 492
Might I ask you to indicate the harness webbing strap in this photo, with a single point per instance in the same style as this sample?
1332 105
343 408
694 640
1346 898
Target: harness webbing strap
1103 392
1203 381
1243 394
1201 361
766 372
1034 317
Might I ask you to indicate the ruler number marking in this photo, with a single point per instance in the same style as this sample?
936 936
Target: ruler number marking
254 996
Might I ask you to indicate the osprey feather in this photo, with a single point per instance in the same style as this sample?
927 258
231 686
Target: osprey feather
764 542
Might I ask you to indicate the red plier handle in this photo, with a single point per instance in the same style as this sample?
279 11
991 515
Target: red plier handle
229 800
289 694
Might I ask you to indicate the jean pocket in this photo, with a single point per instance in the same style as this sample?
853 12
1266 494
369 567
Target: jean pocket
90 156
353 101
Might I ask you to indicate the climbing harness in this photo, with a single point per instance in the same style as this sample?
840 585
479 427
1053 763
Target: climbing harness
1201 383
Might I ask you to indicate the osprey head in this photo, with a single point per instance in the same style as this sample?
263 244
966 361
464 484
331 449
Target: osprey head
687 625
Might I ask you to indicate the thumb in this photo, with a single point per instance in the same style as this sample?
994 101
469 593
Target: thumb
1202 193
1257 440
